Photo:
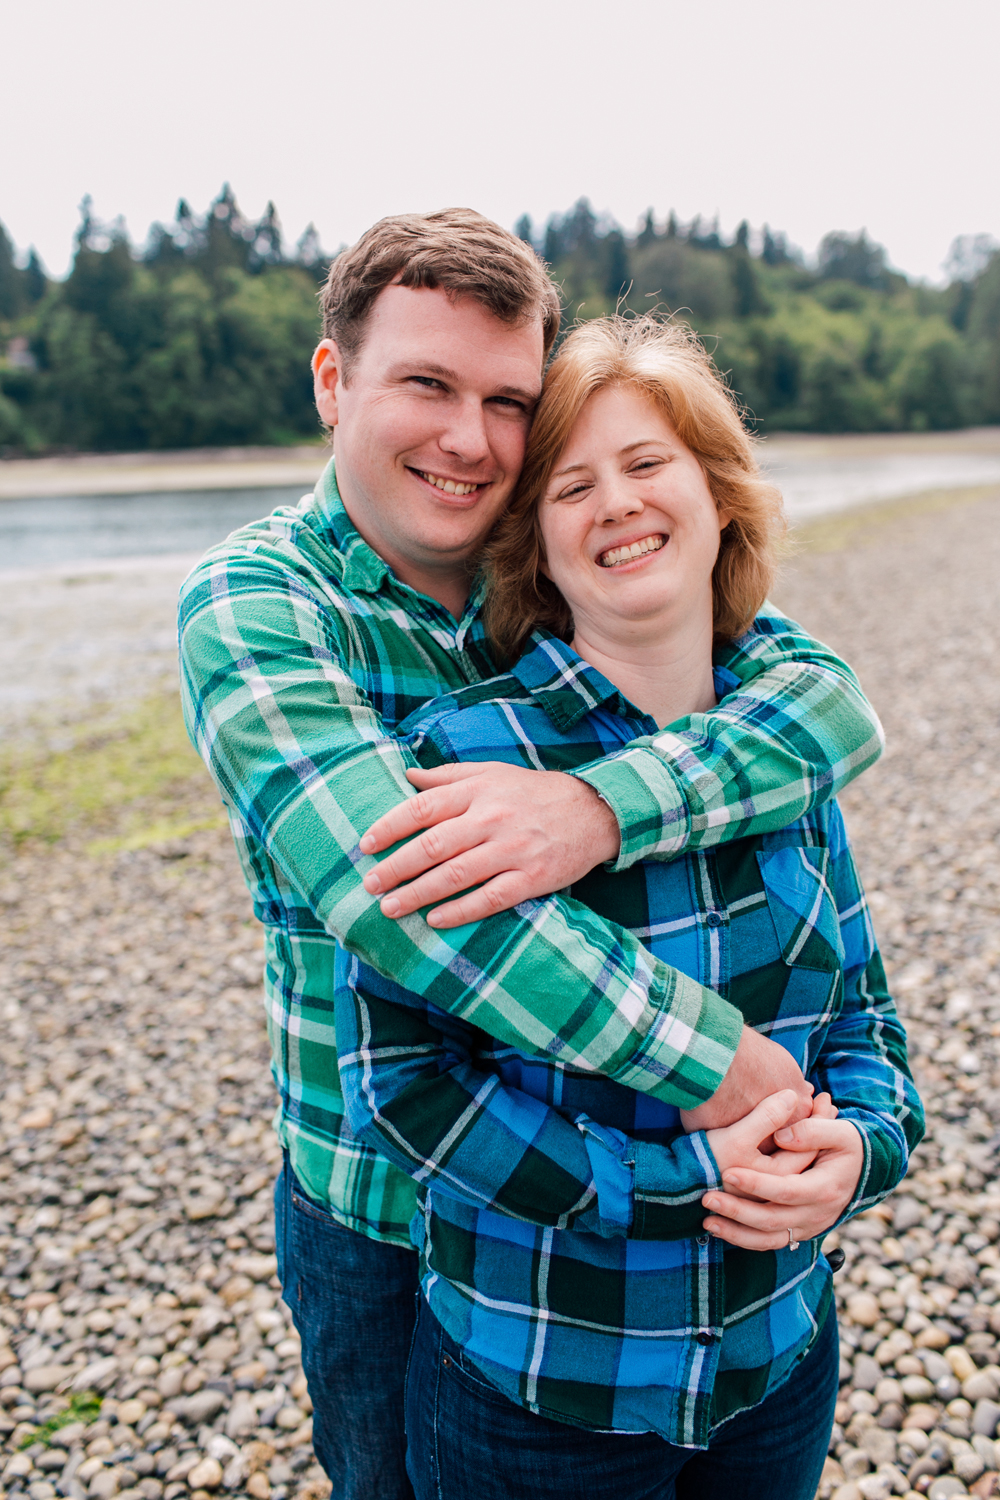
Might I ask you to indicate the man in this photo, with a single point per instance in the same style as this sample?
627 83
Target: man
305 638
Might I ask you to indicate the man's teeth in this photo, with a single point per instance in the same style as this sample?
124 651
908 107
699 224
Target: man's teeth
624 554
450 486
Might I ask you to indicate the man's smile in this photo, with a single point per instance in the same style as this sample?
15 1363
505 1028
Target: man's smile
457 487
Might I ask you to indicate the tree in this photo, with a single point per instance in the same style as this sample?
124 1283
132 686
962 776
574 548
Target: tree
35 280
552 247
748 295
647 234
617 277
12 290
309 253
774 251
265 246
523 230
843 257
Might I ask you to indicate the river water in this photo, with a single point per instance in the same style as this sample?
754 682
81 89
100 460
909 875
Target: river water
42 533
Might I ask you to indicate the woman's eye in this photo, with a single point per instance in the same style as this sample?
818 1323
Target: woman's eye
573 492
645 465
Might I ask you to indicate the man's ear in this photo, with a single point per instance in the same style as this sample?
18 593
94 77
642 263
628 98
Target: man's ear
328 377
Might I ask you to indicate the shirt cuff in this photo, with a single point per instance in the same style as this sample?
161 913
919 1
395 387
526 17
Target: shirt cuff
883 1166
669 1187
652 822
689 1047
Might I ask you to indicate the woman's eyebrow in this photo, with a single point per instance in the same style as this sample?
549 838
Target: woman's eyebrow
629 447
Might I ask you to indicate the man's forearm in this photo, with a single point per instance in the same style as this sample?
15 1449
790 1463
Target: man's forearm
793 731
305 761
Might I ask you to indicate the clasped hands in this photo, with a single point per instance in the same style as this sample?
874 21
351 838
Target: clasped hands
787 1161
784 1178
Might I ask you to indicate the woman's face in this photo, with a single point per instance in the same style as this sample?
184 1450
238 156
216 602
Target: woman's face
631 530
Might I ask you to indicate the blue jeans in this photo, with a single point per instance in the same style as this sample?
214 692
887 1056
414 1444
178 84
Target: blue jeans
353 1301
469 1442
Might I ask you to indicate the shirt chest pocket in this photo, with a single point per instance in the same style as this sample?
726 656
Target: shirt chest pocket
802 907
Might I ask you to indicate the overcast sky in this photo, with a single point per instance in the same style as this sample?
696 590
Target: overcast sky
808 116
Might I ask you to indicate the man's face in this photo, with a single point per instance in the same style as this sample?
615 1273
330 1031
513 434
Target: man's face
430 427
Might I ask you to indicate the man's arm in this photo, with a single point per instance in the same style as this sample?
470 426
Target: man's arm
307 765
793 731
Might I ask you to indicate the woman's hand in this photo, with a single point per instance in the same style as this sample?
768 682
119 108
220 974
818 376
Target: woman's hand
764 1209
747 1144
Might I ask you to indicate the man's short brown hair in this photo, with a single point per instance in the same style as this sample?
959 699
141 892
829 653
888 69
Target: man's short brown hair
456 249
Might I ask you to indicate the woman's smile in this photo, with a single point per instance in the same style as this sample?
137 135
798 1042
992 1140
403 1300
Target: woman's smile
631 551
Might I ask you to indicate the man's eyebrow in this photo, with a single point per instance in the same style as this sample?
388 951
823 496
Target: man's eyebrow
628 448
443 373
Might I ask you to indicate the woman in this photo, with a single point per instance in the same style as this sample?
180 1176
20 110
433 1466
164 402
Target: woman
585 1329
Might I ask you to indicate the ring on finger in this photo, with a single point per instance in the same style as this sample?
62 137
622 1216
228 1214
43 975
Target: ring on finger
793 1243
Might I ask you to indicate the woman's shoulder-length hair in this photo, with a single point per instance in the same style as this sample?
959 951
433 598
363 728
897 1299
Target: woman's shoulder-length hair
664 362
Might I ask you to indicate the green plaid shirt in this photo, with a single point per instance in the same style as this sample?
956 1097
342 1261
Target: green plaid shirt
300 653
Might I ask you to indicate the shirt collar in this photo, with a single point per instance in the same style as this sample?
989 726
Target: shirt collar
569 687
364 571
566 686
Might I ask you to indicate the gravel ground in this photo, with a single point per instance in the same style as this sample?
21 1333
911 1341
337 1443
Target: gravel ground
136 1235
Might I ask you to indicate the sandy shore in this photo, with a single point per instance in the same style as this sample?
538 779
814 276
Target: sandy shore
148 473
244 468
135 1225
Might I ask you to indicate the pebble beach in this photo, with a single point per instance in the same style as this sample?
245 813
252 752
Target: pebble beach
144 1349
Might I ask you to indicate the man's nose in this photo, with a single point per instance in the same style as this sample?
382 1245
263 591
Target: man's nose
465 435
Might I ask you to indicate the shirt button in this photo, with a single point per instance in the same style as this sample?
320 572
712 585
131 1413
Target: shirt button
714 919
702 1239
703 1336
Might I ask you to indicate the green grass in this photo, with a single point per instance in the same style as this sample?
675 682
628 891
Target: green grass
84 1407
125 780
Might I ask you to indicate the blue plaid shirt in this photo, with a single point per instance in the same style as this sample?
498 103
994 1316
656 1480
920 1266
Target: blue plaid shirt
560 1215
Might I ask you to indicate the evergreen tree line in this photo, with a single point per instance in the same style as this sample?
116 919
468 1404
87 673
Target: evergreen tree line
203 336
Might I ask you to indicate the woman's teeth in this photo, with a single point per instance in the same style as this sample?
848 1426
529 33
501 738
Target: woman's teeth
450 486
625 554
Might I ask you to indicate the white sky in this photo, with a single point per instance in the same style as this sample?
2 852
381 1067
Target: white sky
810 116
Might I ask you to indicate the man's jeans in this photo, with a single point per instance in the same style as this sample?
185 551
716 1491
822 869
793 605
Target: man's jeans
469 1442
353 1302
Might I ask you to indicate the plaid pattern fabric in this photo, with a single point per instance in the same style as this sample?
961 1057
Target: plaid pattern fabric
561 1217
300 654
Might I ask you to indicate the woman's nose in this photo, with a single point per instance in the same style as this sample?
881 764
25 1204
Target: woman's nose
615 501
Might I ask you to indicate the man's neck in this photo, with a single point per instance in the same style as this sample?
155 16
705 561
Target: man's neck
448 583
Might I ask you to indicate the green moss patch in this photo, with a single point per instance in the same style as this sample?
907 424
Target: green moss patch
122 781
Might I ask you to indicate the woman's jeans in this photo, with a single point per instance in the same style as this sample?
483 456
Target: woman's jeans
352 1299
467 1441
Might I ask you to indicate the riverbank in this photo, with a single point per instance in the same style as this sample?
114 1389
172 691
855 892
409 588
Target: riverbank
137 1156
153 473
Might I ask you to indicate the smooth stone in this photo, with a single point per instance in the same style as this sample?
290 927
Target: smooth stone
867 1373
203 1406
985 1417
206 1475
45 1378
945 1487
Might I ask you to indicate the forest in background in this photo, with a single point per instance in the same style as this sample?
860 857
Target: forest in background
202 336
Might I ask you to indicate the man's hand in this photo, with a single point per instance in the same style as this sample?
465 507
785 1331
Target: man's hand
511 832
770 1206
759 1068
